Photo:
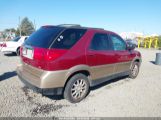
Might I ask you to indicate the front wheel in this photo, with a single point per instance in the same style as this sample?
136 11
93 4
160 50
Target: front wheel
77 88
134 70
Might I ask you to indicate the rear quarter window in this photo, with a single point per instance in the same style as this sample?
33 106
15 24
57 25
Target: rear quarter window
68 38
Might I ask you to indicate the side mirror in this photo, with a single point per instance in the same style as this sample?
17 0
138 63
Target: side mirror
131 46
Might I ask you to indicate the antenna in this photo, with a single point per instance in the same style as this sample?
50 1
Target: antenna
34 24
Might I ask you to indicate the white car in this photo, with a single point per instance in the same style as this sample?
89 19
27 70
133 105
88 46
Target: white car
13 45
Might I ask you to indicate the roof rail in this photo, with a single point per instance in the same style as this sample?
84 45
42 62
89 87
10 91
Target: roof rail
69 25
77 25
98 28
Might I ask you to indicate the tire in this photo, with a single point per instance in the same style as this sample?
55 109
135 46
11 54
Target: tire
18 52
134 71
74 93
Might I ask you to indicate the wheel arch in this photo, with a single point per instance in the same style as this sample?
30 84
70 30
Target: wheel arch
83 69
18 48
136 59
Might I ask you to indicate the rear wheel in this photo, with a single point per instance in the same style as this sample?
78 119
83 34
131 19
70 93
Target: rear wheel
134 70
77 88
18 52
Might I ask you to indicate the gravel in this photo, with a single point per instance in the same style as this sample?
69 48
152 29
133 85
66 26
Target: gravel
123 97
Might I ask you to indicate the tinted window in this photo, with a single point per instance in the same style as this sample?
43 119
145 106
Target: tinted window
101 42
16 39
118 43
43 37
68 38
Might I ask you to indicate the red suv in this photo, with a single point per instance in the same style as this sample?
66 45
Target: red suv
69 59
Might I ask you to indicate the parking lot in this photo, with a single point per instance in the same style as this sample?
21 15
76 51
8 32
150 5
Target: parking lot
122 97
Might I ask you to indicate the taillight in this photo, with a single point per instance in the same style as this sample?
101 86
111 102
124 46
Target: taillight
53 54
3 45
43 58
47 54
39 53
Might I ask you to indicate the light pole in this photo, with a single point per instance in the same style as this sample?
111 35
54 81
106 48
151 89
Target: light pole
20 25
34 25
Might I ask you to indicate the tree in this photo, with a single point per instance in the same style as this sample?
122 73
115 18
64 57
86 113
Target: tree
10 30
26 26
4 36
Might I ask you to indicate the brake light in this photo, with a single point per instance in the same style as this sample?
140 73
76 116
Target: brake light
47 54
39 53
3 45
43 58
53 54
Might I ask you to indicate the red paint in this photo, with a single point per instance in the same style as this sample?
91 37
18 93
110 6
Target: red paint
3 45
58 59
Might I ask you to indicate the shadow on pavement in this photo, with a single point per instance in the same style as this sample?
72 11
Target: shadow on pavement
153 62
108 82
55 97
7 75
10 54
59 97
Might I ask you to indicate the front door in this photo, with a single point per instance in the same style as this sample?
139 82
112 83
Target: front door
123 56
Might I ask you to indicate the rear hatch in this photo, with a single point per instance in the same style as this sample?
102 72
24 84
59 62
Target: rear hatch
35 51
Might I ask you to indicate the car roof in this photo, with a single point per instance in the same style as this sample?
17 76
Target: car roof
77 26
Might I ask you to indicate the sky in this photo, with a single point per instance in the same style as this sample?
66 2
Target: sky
116 15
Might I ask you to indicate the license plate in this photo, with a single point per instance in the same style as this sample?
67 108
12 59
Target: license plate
28 53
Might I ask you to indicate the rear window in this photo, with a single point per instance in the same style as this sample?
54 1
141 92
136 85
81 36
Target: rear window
68 38
43 37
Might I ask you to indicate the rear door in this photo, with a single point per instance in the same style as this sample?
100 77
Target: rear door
123 57
100 56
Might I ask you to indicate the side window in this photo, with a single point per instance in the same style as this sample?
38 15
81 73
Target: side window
118 43
68 38
100 42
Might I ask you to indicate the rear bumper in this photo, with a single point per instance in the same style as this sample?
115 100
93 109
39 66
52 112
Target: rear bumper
7 49
44 91
40 79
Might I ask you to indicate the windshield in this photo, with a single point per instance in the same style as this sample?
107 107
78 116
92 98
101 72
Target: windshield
16 39
43 37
